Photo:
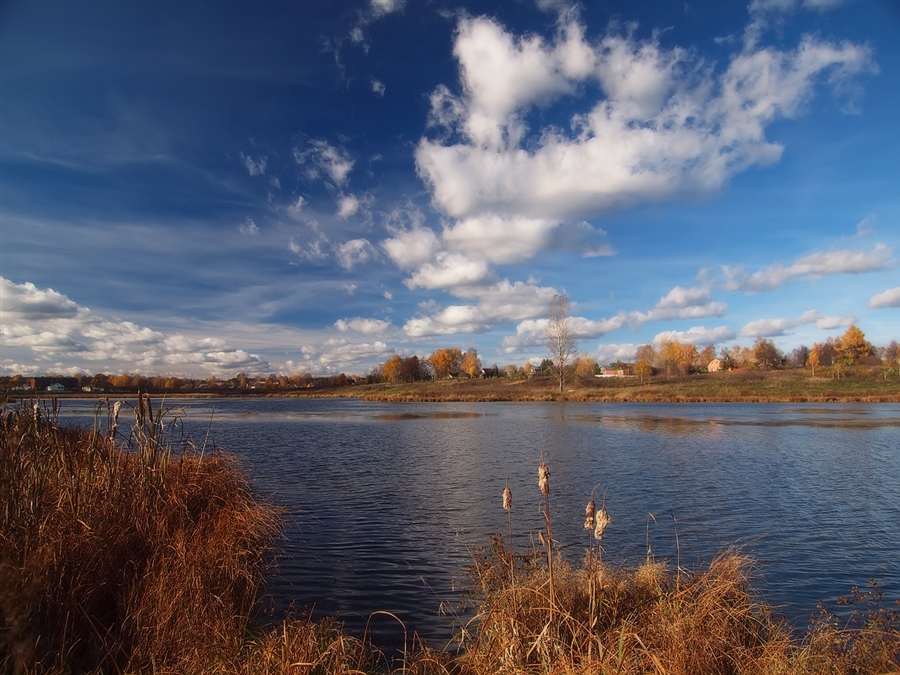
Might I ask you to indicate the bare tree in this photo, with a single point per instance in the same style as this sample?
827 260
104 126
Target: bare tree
560 337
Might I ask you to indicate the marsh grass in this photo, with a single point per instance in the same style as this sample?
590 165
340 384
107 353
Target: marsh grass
142 553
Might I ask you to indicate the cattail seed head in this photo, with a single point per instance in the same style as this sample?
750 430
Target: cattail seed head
544 479
507 498
589 511
602 520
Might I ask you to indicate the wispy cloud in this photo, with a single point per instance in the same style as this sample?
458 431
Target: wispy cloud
767 328
810 267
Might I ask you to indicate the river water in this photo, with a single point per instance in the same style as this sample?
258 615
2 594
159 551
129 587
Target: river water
386 502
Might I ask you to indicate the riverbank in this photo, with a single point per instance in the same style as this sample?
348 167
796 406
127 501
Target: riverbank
734 387
149 558
853 385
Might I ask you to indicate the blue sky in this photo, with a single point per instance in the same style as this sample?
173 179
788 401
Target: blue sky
273 187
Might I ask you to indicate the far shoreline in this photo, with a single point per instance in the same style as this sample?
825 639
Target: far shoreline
863 386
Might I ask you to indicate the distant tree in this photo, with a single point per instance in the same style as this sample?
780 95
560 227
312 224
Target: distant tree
726 358
852 346
445 362
766 354
585 366
512 370
528 369
390 371
410 369
644 358
707 354
890 354
799 356
814 359
688 358
471 364
673 358
561 342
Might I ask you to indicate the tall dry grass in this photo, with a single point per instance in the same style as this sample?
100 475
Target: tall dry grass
121 560
537 615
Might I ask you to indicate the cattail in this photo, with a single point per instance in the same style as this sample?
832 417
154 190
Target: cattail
507 498
544 479
589 512
602 521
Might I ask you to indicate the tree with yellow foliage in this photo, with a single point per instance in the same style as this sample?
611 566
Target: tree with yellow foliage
585 367
853 346
445 362
470 364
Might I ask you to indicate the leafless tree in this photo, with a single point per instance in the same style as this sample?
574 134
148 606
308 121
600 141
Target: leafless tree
561 340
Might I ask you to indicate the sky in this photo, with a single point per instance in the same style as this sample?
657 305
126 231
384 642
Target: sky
207 188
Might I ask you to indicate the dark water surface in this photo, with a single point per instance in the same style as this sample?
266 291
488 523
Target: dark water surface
386 501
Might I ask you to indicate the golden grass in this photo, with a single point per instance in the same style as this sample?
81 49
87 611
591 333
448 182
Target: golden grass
131 559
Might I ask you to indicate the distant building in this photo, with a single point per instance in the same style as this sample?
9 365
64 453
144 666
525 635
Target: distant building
56 388
714 366
611 373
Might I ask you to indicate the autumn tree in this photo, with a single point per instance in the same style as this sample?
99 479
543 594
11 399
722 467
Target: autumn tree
766 354
707 354
644 358
561 341
852 346
814 358
445 362
688 359
585 366
470 364
390 371
410 369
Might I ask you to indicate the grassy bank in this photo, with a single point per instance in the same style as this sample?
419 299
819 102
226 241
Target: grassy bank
751 386
121 556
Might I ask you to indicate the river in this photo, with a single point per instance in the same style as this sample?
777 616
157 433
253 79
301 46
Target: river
386 502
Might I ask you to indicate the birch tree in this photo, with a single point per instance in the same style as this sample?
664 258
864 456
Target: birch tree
561 340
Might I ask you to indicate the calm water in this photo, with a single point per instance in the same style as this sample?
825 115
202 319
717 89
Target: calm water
386 501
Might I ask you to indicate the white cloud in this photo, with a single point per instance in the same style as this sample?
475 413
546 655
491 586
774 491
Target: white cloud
378 87
348 205
297 206
335 355
26 302
249 227
766 328
255 167
682 303
810 267
498 239
411 248
354 252
323 159
697 335
365 326
448 271
668 125
889 298
45 324
533 332
382 7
